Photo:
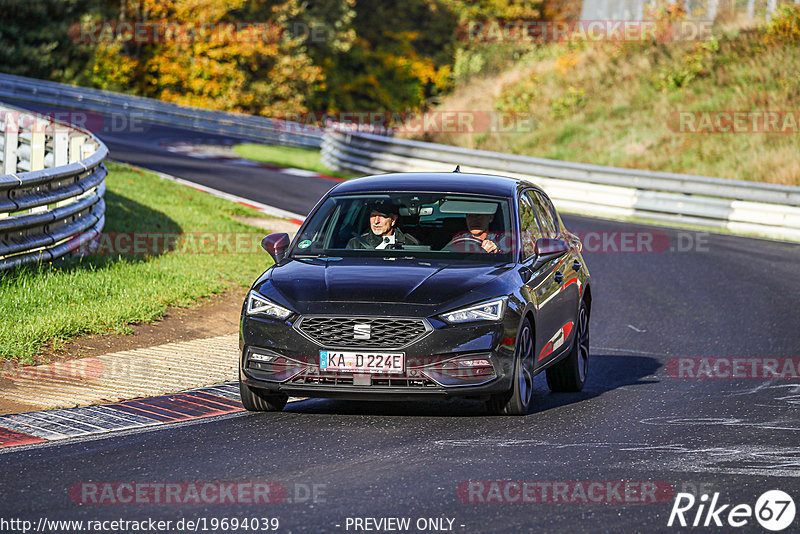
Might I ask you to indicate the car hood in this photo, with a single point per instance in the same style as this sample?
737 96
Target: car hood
381 280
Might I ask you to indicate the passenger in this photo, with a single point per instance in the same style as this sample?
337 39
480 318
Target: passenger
383 231
477 237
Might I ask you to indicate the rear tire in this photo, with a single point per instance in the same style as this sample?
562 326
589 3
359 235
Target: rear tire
256 400
517 401
569 375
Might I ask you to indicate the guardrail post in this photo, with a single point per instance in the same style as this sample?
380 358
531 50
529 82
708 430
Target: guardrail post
37 144
61 152
75 143
11 133
60 146
38 128
87 149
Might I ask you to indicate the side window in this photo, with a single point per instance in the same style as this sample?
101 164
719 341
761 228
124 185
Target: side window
528 226
545 219
551 212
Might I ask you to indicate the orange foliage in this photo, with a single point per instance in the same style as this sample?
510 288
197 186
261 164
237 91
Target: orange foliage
212 62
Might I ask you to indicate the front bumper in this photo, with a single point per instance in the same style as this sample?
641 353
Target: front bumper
435 364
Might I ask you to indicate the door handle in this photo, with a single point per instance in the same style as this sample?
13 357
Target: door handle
559 277
576 266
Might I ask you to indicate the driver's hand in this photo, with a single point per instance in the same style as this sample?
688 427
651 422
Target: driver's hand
489 246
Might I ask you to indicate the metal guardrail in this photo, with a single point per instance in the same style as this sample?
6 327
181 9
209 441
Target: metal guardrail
740 207
767 210
51 189
58 95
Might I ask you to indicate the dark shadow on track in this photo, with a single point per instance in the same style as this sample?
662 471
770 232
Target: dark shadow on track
122 215
607 373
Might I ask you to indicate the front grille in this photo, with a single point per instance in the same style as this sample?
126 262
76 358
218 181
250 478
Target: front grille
384 332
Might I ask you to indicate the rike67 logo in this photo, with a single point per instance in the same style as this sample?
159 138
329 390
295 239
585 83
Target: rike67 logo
774 510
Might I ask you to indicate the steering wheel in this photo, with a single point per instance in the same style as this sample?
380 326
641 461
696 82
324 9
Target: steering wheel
467 242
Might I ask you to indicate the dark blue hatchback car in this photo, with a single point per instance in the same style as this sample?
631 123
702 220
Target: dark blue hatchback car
419 285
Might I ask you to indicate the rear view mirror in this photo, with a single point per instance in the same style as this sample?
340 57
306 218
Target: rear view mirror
550 247
276 245
468 206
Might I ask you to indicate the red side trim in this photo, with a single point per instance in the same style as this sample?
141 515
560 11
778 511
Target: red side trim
573 280
567 328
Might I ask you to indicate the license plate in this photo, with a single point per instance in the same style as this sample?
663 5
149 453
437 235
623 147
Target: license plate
362 362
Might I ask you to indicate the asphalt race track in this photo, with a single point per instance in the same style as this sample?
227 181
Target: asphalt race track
650 416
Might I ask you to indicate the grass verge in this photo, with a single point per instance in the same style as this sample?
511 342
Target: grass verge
103 293
286 156
658 105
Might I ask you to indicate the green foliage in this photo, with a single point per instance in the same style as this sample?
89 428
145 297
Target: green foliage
496 9
519 97
35 40
400 58
475 56
467 63
573 99
485 59
698 62
368 79
784 25
426 26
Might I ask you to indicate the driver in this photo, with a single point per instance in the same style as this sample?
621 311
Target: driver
383 231
477 234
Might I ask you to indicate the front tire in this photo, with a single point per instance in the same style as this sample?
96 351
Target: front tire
518 400
569 375
256 400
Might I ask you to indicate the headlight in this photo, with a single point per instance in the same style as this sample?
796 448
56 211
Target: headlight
258 305
491 310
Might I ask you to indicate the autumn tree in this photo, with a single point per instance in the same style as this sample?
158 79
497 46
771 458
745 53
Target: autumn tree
267 57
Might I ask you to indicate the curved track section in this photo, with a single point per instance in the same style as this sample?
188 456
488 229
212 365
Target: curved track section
680 318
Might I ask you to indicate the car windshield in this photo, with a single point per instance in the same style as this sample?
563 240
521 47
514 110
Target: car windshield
419 225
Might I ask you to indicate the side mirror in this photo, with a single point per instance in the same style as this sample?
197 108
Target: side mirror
276 245
550 247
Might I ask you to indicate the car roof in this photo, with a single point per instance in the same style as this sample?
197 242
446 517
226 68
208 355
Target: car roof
434 182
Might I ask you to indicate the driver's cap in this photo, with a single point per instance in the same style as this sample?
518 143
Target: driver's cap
384 207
